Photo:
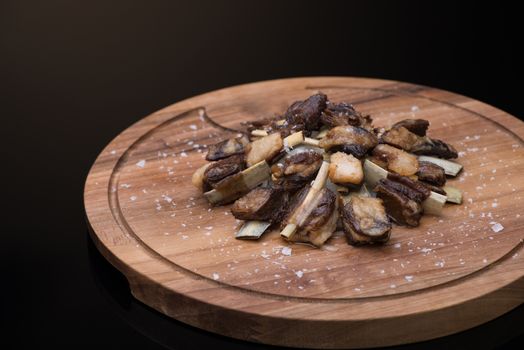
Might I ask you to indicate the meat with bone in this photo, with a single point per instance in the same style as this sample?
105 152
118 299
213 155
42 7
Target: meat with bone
321 222
402 198
220 170
340 114
261 203
405 135
396 160
431 173
349 139
227 148
296 169
307 112
365 221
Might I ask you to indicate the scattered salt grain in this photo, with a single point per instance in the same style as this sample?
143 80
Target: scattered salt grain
286 251
216 276
408 278
397 245
193 127
183 154
496 227
415 108
299 274
133 198
141 163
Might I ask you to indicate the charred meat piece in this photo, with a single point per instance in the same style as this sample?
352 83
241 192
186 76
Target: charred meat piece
227 148
396 160
400 137
264 204
416 126
344 169
349 139
406 134
220 170
307 112
321 222
296 170
402 198
434 147
340 114
431 173
265 148
365 221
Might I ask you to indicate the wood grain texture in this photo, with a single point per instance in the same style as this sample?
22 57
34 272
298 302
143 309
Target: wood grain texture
180 256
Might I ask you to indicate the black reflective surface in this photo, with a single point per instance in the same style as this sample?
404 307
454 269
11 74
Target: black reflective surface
73 74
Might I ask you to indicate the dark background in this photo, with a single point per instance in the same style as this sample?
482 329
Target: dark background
73 74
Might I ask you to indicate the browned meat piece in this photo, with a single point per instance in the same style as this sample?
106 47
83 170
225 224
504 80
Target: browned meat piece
406 135
296 170
321 222
400 137
434 188
416 126
433 147
349 139
307 112
412 188
365 221
431 173
395 159
227 148
220 170
265 148
264 204
402 198
340 114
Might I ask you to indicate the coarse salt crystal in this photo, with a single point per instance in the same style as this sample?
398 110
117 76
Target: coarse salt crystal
193 127
183 154
408 278
133 198
141 163
299 274
286 251
496 227
216 276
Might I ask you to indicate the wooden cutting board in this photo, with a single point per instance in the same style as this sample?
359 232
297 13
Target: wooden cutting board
180 256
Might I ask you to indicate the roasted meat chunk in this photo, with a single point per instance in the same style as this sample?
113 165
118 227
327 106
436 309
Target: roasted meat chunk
434 147
341 114
307 112
261 203
344 169
227 148
365 221
265 148
222 169
395 159
410 134
349 139
321 222
296 170
431 173
402 198
416 126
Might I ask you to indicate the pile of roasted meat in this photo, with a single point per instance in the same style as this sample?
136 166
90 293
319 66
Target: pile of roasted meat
322 166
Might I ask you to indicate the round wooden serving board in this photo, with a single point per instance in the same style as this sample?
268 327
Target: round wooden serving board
180 256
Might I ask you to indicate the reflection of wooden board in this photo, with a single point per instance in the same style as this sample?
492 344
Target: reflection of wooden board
180 256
